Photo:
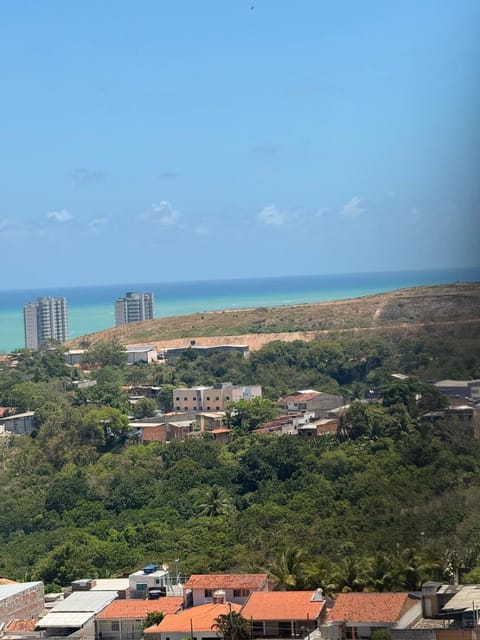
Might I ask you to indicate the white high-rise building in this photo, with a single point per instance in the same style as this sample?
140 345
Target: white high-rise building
45 320
134 307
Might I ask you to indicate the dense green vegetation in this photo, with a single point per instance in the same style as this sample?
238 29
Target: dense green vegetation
389 501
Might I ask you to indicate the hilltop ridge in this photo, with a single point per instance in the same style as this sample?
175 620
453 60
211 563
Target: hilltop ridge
452 307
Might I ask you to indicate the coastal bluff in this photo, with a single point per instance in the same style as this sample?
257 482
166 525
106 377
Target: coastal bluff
452 309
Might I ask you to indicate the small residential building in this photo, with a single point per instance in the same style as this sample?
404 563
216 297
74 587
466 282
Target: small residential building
18 424
449 612
210 420
236 587
147 579
214 398
318 428
357 615
141 353
76 614
197 623
74 357
284 614
20 600
310 400
145 431
465 388
123 619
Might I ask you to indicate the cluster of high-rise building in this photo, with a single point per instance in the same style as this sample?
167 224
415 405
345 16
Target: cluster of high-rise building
46 319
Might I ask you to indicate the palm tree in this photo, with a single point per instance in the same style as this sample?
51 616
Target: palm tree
232 626
350 573
216 502
287 569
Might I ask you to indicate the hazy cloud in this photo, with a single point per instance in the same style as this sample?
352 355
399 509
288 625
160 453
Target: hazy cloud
353 208
96 223
267 149
11 225
270 215
59 216
168 175
87 177
162 213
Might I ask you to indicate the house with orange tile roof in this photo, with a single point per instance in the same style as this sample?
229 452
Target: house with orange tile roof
357 615
284 614
233 587
196 623
123 619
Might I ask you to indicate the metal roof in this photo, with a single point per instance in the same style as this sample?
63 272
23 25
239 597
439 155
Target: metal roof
85 601
71 619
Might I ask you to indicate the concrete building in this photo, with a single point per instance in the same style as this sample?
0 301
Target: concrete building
214 398
18 424
134 307
141 353
20 600
310 400
45 320
76 614
203 589
464 388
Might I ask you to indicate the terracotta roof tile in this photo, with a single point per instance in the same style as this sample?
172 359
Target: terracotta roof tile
251 581
300 397
282 605
199 618
23 625
368 607
140 608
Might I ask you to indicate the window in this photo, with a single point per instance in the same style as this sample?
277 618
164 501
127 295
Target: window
218 408
177 408
241 593
208 593
177 398
185 399
217 398
115 625
194 408
208 397
186 409
141 586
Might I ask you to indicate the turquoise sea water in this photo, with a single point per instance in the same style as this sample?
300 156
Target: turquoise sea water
91 308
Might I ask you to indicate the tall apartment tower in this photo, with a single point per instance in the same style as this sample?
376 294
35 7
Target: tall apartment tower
133 308
45 320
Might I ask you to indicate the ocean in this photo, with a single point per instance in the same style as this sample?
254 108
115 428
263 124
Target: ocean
91 308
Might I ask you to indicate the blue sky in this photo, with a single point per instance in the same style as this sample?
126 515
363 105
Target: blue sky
183 140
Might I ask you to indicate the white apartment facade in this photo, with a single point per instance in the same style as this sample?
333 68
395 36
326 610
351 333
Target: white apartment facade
45 320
